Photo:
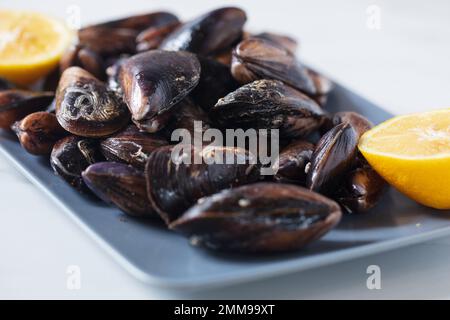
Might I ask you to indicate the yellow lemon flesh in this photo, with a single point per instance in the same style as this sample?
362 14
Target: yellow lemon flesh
31 45
412 153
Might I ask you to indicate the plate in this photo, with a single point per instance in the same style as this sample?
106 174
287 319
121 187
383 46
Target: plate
160 257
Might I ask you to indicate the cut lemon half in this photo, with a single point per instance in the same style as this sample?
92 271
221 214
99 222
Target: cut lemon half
412 153
31 45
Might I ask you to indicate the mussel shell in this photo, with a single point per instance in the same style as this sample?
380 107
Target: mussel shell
38 132
151 38
131 146
16 104
334 155
215 82
71 156
86 107
81 56
107 41
187 113
112 73
256 58
119 36
362 190
153 82
173 186
360 123
121 185
261 217
292 162
140 22
269 104
208 34
323 86
284 41
6 84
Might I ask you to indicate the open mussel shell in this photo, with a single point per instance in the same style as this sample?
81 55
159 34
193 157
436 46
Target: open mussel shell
208 34
174 185
131 146
360 123
121 185
215 82
82 56
153 82
71 156
86 107
261 217
38 132
269 104
16 104
292 161
361 190
334 155
257 58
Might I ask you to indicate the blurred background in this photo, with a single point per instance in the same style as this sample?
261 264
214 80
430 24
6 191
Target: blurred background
395 53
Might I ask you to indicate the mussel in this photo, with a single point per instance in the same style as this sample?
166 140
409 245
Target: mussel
334 155
292 161
86 107
269 104
131 146
107 41
361 190
151 38
153 82
6 84
38 132
119 36
16 104
261 217
121 185
177 178
71 156
82 56
188 116
323 86
112 73
139 22
360 123
284 41
210 33
257 58
215 82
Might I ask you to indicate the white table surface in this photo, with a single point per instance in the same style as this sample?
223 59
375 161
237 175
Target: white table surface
404 66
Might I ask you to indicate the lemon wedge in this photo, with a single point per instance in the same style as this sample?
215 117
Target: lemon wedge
412 153
31 45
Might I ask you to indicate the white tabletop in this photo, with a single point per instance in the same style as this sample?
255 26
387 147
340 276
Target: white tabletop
400 61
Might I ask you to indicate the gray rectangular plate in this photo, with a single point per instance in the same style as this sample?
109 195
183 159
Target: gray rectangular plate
160 257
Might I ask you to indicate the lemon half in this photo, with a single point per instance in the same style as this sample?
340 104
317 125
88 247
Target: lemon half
412 153
31 45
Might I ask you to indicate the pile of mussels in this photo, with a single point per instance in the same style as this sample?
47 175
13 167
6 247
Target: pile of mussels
108 111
